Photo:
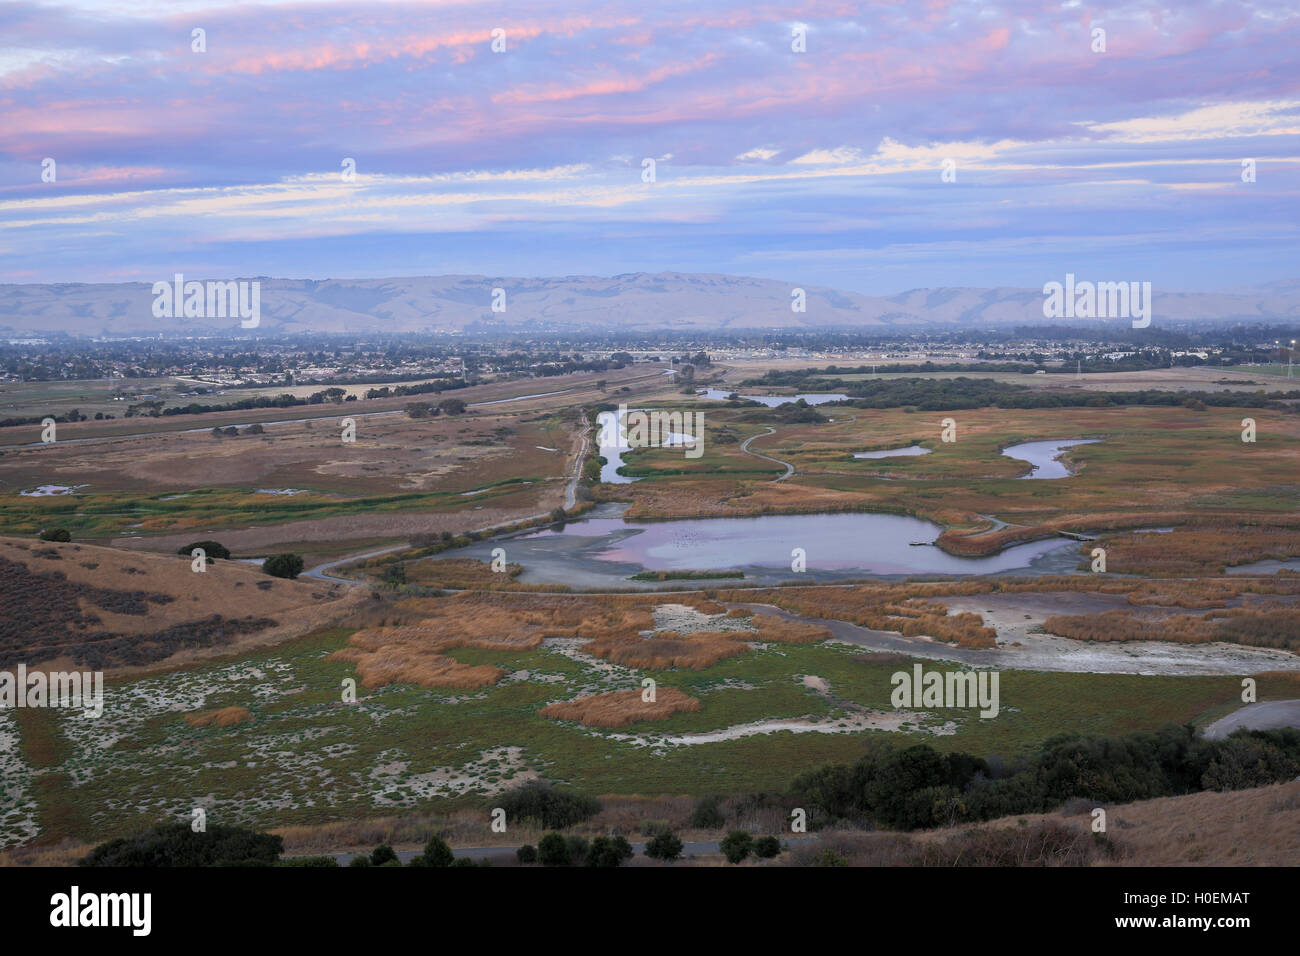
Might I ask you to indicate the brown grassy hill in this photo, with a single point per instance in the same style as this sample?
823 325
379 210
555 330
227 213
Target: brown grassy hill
74 605
1259 827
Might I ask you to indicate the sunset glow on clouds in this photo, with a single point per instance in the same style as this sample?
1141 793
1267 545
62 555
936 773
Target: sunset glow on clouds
821 167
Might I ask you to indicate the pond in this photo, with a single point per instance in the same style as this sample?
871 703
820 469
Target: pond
605 549
606 425
1045 456
772 401
893 452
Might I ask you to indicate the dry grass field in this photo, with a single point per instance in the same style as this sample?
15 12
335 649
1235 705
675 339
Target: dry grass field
69 605
1258 827
221 717
622 707
1153 466
463 695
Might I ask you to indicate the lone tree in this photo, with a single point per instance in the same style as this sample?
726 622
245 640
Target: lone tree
382 855
436 853
665 846
453 406
736 845
283 565
608 851
213 549
553 850
56 534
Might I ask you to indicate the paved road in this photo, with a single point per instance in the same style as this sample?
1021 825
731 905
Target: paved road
744 446
1265 715
502 853
321 571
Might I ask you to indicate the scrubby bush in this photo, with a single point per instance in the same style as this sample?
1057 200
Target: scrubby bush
310 861
538 803
383 854
213 549
56 534
736 845
175 844
283 565
916 787
437 852
553 850
578 847
664 845
526 853
766 847
707 814
608 851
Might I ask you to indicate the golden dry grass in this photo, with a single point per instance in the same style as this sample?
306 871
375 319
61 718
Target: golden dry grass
880 607
1203 549
405 662
223 717
1264 626
669 649
1279 683
780 631
226 588
1257 827
622 707
461 573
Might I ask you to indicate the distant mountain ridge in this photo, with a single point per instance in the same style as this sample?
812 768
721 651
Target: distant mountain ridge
635 302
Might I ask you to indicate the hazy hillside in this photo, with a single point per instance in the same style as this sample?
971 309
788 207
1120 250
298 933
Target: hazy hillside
636 302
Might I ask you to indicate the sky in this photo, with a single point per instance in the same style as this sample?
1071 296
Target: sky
820 166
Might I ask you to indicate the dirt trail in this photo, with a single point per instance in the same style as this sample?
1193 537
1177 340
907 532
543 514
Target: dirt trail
744 446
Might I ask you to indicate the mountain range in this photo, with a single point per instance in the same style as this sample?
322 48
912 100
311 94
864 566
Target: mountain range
624 303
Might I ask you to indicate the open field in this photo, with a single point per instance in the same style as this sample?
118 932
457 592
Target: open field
531 393
1196 378
306 757
295 482
1152 466
462 695
82 606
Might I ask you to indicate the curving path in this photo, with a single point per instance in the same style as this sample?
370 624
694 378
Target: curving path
744 446
1264 715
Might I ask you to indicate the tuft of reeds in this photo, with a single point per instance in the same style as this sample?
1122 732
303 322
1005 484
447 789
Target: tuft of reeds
622 707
